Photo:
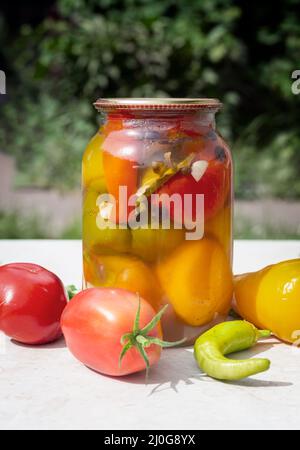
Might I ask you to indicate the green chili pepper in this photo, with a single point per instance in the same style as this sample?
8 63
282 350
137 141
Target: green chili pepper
226 338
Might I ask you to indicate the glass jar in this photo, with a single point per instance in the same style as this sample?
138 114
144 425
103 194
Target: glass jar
157 209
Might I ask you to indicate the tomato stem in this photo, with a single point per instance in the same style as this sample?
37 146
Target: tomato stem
140 339
72 291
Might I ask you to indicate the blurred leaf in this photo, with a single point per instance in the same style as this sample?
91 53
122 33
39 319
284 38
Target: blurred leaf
119 48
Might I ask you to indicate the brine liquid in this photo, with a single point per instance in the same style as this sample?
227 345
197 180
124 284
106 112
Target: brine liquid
127 245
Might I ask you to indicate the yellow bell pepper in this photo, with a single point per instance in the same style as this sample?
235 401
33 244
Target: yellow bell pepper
124 272
92 167
220 228
270 299
198 282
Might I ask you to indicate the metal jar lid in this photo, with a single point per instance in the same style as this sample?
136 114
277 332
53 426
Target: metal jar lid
157 104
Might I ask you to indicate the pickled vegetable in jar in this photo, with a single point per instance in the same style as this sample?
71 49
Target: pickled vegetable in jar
157 209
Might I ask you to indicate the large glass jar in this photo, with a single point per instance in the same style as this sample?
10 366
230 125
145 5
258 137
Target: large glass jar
157 209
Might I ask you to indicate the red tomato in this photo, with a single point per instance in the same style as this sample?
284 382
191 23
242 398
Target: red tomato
94 323
184 128
32 300
213 185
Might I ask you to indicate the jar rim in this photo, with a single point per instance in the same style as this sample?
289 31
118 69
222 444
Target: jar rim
158 104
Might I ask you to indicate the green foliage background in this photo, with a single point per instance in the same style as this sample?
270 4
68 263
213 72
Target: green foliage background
244 53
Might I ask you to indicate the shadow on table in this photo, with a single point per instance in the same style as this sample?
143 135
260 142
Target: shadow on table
259 349
175 367
178 366
52 346
251 382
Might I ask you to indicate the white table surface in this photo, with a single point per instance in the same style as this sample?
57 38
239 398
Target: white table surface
46 388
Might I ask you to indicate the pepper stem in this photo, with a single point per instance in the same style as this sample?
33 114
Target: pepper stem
264 334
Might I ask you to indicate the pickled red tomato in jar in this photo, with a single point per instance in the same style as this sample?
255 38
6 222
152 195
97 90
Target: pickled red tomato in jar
157 209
